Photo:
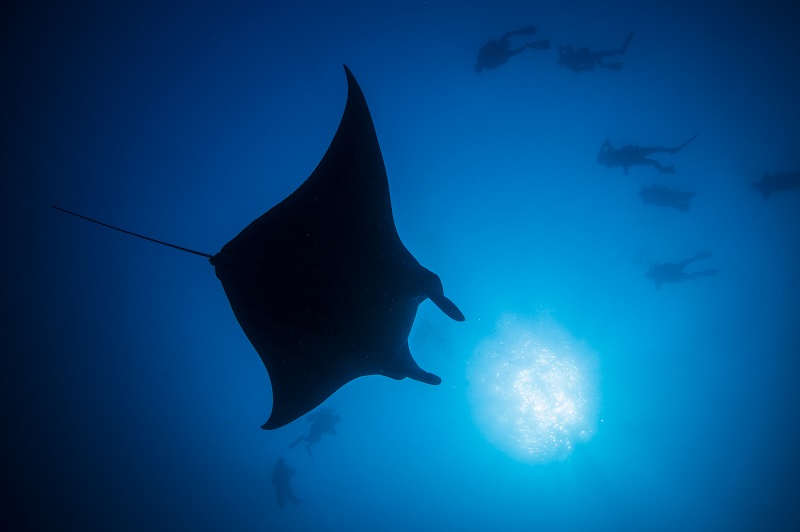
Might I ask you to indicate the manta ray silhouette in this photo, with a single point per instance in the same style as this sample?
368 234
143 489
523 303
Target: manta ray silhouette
321 283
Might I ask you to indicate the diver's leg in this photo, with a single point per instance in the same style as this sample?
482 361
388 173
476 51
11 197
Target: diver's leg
527 30
644 161
647 150
701 255
597 59
598 56
708 273
610 66
512 53
291 496
658 149
679 148
298 440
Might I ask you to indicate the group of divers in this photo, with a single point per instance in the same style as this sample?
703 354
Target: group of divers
493 54
497 51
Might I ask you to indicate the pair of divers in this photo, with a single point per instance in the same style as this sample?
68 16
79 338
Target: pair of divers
635 155
496 52
666 197
777 183
584 60
670 272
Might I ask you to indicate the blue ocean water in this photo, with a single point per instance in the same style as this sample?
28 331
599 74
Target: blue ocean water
576 396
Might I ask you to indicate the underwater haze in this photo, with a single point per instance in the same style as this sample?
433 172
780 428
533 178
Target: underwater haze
584 391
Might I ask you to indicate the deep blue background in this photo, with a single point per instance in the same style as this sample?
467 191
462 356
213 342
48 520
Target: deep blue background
131 398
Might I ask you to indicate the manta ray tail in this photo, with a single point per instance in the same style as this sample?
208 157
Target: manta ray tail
187 250
295 442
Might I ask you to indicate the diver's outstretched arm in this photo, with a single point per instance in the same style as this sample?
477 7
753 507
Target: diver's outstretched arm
701 255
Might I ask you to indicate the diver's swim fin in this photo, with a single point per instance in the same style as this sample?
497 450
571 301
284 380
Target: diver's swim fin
679 148
626 43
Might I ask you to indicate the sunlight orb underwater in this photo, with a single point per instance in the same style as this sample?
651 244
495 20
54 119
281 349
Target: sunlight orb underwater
534 389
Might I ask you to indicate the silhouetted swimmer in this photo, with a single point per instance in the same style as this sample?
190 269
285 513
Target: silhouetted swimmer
633 155
584 60
323 421
281 473
666 197
496 52
669 272
777 183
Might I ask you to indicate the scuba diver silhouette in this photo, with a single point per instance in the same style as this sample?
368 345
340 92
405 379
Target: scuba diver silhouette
583 60
496 52
323 421
777 183
633 155
669 272
280 479
666 197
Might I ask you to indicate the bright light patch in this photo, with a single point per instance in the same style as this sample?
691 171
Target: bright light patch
534 389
